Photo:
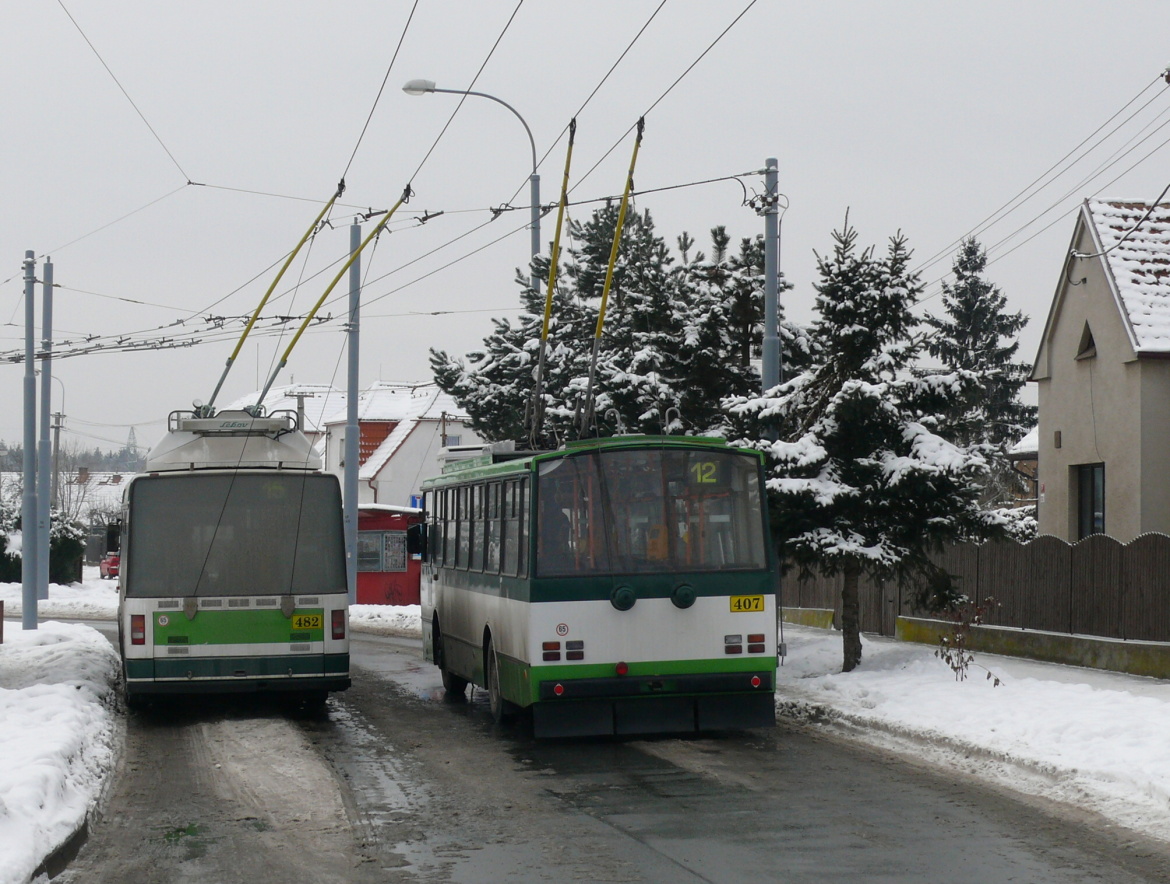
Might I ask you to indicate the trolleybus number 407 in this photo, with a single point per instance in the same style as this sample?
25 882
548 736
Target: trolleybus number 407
742 604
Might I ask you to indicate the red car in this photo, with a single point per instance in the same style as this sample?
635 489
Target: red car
108 567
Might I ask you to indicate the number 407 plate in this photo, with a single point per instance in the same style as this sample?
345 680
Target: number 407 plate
743 604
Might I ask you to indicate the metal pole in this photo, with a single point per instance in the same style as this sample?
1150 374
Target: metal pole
771 355
44 503
534 181
352 430
28 511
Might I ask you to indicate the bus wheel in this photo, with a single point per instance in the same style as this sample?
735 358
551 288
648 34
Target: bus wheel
502 710
454 685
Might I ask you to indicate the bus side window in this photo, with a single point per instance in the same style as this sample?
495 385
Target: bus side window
522 546
463 526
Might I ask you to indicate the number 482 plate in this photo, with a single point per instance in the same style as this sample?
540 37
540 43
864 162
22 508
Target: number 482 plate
743 604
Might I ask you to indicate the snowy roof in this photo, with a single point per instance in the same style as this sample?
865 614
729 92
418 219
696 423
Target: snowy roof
1139 266
1028 446
395 401
408 407
321 400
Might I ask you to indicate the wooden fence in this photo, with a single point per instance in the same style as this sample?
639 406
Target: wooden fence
1094 587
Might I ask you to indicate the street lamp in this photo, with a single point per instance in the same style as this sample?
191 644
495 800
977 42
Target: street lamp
422 87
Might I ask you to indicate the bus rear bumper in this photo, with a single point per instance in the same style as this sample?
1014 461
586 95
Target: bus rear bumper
598 707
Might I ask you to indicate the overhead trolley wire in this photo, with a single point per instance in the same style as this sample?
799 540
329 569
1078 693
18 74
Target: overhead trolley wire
378 97
1011 205
470 86
138 111
668 90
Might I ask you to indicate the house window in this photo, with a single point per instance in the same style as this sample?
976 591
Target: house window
1090 499
1087 348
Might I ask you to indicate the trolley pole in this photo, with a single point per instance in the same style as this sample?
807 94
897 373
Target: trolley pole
44 503
352 430
28 511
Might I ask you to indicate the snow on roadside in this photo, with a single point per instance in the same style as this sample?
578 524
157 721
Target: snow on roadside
92 599
1092 739
386 619
57 738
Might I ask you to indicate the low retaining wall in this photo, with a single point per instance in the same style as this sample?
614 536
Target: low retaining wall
1150 659
1114 655
820 618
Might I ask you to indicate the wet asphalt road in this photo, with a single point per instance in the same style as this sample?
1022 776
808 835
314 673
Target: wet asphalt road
396 783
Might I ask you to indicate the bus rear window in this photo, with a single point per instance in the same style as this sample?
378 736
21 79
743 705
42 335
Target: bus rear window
224 535
648 510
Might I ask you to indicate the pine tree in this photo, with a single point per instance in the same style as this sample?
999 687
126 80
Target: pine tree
976 334
861 481
670 348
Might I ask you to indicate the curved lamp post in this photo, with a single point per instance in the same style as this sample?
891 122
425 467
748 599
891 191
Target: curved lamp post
422 87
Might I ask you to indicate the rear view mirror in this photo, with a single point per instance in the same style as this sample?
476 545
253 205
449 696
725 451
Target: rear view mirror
416 540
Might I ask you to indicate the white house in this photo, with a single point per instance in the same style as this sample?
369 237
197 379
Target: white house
403 427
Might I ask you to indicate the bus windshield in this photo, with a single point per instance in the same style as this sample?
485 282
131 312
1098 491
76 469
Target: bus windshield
224 535
643 510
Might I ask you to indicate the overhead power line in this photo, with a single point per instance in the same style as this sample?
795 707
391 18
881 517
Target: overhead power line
138 111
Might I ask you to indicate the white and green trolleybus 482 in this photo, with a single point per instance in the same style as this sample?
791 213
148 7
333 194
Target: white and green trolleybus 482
614 586
233 564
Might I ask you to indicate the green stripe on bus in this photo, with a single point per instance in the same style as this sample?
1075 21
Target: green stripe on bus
235 627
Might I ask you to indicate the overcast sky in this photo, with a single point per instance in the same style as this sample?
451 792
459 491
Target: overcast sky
921 116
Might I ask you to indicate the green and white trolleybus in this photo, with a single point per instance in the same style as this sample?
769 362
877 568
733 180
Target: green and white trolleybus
614 586
233 563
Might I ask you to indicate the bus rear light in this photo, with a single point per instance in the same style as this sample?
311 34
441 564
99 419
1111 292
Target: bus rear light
550 646
575 645
574 655
339 624
137 629
733 649
756 681
756 637
756 649
733 639
622 668
559 689
551 655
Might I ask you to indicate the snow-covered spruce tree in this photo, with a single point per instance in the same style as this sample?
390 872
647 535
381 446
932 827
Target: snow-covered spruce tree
976 334
669 342
861 480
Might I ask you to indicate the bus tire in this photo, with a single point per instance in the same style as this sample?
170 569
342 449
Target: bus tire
454 685
502 710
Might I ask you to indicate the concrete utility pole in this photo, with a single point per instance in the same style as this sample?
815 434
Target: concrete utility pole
352 430
771 354
28 509
44 503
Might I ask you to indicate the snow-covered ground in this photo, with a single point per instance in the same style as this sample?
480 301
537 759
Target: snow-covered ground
1092 739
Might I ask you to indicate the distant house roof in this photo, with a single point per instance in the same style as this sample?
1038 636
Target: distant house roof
1139 266
408 404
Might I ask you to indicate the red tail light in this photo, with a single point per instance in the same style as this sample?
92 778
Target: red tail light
137 629
339 624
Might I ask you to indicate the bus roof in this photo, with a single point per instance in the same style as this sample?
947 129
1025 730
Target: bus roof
511 463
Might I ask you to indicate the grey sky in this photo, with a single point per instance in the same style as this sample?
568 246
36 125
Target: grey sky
919 116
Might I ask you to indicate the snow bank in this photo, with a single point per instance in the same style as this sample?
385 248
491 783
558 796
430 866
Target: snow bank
92 599
57 738
386 619
1091 739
